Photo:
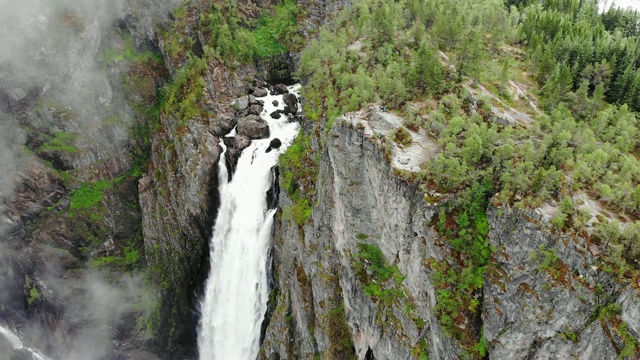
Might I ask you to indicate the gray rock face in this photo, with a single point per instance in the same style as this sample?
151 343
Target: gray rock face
540 297
358 200
253 127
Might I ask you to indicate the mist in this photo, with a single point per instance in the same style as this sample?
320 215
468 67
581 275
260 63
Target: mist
51 60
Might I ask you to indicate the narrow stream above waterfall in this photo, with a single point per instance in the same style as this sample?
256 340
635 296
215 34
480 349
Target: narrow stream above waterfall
235 300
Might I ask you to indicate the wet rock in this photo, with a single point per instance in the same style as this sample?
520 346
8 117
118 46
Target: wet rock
255 109
260 92
234 145
292 103
275 103
253 127
274 144
276 114
280 89
274 190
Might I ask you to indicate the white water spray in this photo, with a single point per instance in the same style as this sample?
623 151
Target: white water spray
236 293
16 343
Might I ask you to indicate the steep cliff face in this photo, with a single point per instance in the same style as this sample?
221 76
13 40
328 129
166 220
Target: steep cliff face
544 294
333 298
548 294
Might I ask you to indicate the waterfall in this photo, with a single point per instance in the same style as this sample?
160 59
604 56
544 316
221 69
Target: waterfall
16 343
236 294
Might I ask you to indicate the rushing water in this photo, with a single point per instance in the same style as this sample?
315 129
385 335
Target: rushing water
16 343
236 293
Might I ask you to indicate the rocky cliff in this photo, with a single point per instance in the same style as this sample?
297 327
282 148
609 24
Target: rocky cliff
545 294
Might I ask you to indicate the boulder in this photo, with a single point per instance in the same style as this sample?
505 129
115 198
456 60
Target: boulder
292 103
255 109
222 124
276 114
16 94
274 144
253 127
260 92
241 103
275 103
254 101
280 89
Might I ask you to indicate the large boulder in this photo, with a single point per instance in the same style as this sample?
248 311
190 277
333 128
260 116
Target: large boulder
16 94
253 127
222 124
292 103
260 92
280 89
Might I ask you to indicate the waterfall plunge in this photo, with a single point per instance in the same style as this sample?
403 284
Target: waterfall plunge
236 292
16 343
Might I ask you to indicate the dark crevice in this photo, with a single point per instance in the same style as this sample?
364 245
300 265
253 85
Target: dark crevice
369 355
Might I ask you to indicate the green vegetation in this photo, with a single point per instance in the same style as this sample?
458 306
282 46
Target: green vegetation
128 52
373 272
89 195
341 345
229 36
128 261
459 280
60 141
401 136
276 29
298 178
32 292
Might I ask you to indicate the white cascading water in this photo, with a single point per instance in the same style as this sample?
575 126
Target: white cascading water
16 343
237 291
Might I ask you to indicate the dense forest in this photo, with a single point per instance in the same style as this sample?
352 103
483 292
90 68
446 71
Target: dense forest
579 69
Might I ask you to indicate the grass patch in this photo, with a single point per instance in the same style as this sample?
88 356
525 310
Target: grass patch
89 195
128 261
60 142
